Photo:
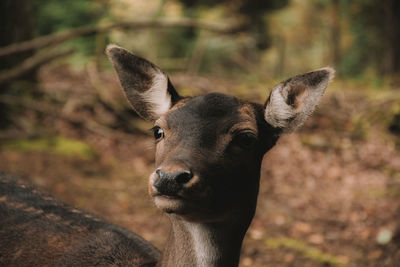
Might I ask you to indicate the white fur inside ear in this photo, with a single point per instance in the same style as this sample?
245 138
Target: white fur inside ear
157 96
277 112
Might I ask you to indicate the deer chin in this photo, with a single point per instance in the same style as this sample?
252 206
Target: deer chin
171 204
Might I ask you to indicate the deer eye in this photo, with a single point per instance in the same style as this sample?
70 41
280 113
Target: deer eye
245 139
158 133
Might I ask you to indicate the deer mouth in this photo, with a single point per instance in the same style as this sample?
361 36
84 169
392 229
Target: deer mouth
171 201
172 204
167 196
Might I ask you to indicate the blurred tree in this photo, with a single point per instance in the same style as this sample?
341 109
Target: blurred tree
23 20
16 25
252 13
239 53
376 28
336 32
56 15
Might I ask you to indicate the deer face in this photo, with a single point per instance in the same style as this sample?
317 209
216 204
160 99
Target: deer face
208 152
209 148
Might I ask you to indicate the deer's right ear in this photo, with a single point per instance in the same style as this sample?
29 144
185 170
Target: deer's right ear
146 86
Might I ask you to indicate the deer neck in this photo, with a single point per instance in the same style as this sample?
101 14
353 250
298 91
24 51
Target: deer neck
202 244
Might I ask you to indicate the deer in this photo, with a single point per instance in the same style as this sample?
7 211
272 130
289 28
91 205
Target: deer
208 154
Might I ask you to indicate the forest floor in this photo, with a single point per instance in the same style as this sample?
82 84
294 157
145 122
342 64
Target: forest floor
329 195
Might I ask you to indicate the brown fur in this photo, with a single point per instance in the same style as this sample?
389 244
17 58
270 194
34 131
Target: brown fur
37 230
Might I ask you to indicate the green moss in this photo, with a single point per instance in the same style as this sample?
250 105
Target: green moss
305 250
57 145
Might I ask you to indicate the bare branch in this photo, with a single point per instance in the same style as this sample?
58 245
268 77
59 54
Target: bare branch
53 111
57 38
31 64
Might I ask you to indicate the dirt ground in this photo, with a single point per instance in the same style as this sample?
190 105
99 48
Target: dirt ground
329 193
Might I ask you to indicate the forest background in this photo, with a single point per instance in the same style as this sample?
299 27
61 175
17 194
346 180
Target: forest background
329 193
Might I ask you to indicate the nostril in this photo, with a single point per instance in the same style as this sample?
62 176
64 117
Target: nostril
178 178
160 173
169 184
183 177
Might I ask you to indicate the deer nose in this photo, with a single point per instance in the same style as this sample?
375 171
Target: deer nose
180 177
171 183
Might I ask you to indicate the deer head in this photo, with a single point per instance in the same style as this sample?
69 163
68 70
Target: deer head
209 148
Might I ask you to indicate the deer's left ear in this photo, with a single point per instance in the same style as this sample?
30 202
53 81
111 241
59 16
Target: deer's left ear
291 102
146 86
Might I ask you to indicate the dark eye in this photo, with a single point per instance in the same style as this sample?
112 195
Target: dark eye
245 140
158 133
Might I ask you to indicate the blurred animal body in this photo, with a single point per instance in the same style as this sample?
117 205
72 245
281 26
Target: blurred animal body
209 150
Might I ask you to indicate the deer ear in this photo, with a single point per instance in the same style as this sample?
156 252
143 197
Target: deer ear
146 86
291 102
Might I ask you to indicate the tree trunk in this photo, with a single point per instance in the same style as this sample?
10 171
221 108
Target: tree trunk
335 33
16 25
391 60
